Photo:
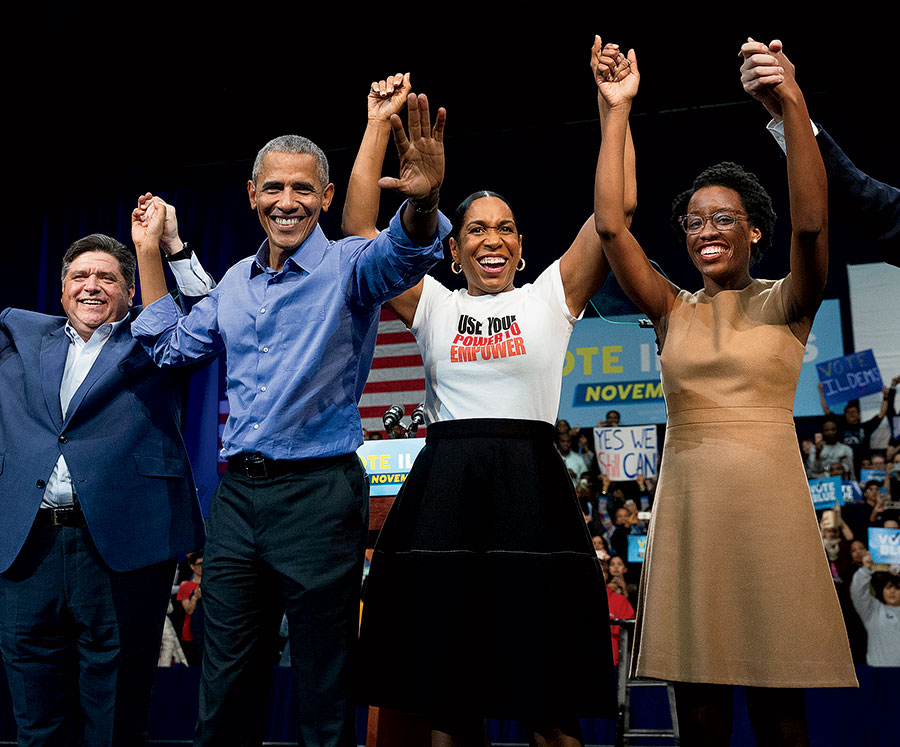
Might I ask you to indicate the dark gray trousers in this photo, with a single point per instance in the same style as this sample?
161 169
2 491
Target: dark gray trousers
294 542
80 642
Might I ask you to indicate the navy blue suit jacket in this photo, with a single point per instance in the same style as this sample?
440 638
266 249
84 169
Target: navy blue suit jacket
872 206
121 440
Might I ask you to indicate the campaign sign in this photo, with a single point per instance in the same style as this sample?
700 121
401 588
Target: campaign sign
884 544
612 365
851 492
849 377
871 474
388 462
826 493
637 546
626 452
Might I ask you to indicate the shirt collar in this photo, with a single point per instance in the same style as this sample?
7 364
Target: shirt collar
102 333
306 257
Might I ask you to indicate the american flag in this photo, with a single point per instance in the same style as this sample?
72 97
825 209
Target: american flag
397 376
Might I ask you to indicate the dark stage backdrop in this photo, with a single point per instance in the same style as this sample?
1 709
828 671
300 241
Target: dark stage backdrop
105 105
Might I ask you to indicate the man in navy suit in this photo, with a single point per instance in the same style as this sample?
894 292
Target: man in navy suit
96 500
873 205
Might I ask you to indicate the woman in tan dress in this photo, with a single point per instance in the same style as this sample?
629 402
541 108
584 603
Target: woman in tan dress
731 594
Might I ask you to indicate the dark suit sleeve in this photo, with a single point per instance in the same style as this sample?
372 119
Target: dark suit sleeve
6 343
873 206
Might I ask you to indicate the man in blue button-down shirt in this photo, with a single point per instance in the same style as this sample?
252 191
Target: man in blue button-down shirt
289 520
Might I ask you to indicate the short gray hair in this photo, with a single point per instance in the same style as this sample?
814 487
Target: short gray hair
296 145
98 242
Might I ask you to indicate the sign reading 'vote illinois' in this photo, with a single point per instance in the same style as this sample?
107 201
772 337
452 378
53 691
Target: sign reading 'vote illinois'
387 463
849 377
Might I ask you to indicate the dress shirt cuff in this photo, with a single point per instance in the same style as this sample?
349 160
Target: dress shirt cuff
402 238
156 318
191 278
777 130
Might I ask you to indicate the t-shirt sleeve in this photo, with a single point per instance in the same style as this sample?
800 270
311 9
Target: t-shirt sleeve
549 287
432 294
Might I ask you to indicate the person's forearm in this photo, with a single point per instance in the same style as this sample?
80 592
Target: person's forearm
609 189
420 218
151 272
630 174
363 193
807 183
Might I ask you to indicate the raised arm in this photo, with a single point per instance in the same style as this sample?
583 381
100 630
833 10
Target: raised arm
584 267
649 290
421 167
421 175
147 224
192 280
386 97
807 185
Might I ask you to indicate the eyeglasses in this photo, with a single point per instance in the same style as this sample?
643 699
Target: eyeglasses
724 220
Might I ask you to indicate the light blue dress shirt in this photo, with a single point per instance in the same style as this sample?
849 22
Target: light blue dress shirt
192 280
299 342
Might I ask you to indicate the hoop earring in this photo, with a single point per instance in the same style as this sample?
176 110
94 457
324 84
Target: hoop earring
456 267
521 264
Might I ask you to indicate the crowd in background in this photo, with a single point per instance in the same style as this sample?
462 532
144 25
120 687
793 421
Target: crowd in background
616 511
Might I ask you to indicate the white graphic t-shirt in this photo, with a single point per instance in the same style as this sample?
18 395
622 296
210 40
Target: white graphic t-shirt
494 356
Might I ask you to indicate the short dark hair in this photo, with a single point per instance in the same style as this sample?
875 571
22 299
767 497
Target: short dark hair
460 214
831 419
98 242
872 483
294 145
880 581
754 198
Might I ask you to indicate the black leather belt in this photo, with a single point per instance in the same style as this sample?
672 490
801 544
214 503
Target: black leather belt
69 516
257 466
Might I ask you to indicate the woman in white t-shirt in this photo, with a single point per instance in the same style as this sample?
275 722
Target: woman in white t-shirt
484 597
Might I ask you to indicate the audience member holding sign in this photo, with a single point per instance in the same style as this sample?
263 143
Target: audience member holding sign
730 357
484 584
874 603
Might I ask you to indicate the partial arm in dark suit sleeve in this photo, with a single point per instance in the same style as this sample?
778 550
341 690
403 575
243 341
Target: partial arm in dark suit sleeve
874 205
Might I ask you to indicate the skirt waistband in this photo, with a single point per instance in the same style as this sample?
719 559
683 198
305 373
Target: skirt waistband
490 428
731 415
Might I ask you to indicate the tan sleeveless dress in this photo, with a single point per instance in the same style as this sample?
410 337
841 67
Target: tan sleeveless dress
736 587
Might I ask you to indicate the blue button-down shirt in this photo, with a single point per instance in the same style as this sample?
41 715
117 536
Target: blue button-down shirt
299 342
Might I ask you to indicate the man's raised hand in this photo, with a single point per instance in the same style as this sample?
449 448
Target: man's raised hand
421 154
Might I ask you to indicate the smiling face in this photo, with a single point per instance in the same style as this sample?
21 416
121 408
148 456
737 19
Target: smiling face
488 248
892 593
94 292
722 256
288 197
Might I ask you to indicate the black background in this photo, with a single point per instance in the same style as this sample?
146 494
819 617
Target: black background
104 102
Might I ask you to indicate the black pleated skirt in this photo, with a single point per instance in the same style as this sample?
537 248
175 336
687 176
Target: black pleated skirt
485 597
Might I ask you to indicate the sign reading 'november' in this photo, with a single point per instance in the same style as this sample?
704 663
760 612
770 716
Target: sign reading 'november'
388 463
849 377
